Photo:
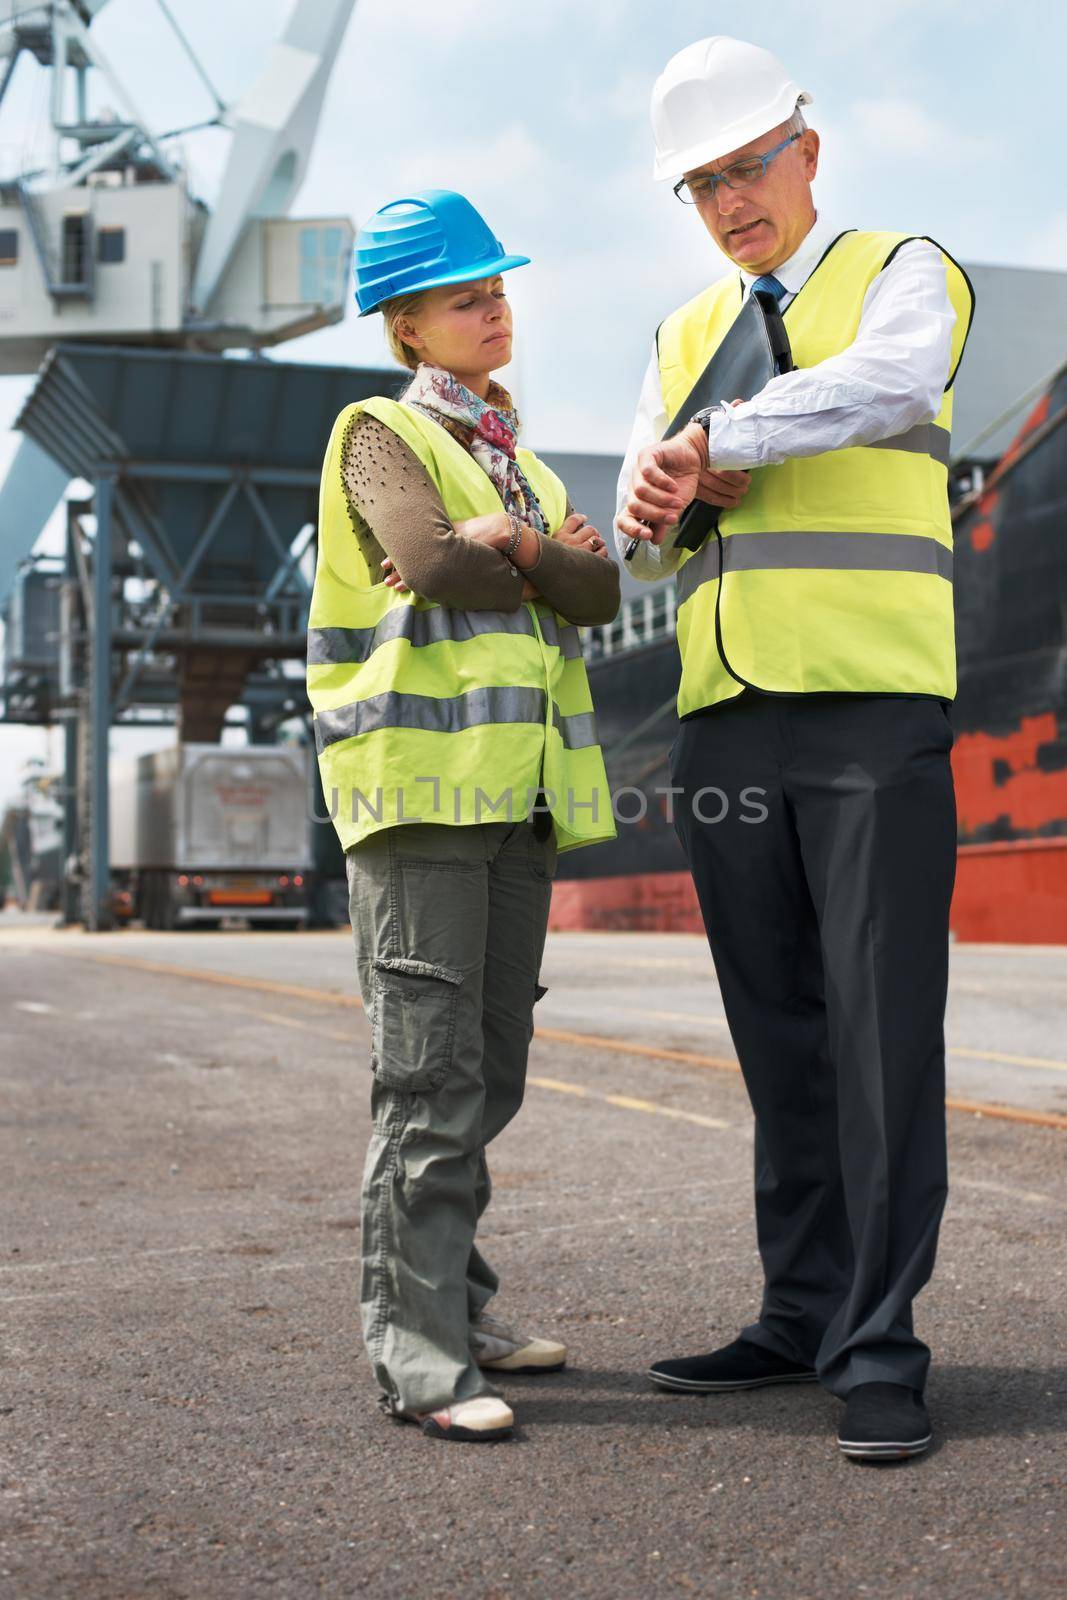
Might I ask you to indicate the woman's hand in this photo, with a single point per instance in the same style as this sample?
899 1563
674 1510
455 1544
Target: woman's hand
393 580
493 529
665 480
578 530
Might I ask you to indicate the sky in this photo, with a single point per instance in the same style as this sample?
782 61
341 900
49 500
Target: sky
937 117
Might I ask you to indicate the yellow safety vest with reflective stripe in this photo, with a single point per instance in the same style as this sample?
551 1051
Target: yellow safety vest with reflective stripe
836 568
431 714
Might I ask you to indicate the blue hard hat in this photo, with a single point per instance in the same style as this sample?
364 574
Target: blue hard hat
423 241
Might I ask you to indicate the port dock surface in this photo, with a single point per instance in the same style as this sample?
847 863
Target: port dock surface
186 1407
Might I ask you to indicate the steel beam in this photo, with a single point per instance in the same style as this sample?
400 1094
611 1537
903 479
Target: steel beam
217 472
99 907
69 894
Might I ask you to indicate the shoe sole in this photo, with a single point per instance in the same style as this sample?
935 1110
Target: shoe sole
528 1371
884 1449
722 1385
433 1430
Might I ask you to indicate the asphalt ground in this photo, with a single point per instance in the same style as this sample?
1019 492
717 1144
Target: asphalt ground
186 1409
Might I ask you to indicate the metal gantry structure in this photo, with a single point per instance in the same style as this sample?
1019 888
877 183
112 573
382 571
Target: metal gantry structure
183 588
185 584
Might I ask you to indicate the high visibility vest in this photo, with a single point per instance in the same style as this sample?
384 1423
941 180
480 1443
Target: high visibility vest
431 714
836 569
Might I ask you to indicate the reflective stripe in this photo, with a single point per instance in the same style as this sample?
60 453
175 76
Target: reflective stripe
578 731
925 439
329 647
332 647
841 552
472 710
477 708
564 637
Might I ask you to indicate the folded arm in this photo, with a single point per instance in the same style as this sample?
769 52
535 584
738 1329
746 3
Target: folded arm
397 513
581 585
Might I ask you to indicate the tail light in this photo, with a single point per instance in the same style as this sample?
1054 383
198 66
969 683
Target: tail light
298 882
283 881
183 880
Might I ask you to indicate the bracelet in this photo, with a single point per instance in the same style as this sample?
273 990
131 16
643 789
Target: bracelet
516 536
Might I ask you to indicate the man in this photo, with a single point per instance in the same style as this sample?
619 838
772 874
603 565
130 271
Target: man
816 634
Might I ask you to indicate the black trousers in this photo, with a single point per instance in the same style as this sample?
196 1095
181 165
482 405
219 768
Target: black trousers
821 834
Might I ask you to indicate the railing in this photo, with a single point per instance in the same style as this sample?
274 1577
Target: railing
71 276
641 620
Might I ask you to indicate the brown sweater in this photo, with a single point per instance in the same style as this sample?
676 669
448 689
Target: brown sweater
396 511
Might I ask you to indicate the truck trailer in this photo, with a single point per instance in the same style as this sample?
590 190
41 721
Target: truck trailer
200 832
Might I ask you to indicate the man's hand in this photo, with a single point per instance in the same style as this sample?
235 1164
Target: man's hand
665 480
723 486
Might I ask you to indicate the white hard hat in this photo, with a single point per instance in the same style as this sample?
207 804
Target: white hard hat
715 96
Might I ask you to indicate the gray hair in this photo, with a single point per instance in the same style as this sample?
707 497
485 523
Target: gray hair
796 124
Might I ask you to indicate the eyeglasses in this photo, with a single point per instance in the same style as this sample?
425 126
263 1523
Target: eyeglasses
739 176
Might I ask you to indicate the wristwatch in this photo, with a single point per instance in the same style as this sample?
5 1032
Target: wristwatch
704 416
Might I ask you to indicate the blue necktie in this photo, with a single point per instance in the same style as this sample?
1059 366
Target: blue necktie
769 284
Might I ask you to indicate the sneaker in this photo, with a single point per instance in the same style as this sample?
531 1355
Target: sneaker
498 1348
884 1422
469 1421
740 1365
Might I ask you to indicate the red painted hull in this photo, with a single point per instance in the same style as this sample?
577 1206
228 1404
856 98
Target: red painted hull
1014 892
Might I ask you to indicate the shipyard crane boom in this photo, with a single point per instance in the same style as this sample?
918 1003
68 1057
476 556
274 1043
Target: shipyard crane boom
107 244
274 128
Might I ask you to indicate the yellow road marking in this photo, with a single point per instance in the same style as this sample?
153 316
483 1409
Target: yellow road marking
626 1102
693 1058
631 1047
978 1108
290 1022
229 980
999 1056
1011 1061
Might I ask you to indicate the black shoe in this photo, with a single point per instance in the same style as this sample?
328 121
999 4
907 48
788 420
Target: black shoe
740 1365
884 1422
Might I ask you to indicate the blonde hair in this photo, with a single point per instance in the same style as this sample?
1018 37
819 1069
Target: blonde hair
402 305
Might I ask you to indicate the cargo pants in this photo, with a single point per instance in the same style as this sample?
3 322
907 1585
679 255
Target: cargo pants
449 926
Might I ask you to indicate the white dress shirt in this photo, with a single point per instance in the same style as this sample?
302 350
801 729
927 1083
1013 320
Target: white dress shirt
891 377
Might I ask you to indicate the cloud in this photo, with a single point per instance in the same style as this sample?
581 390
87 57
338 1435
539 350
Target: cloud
507 157
407 22
1048 246
843 27
904 129
623 99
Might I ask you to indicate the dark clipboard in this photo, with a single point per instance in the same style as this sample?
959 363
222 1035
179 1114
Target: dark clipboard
755 349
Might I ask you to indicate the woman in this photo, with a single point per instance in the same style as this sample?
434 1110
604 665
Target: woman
458 754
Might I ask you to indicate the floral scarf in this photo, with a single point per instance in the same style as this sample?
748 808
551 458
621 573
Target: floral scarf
487 428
